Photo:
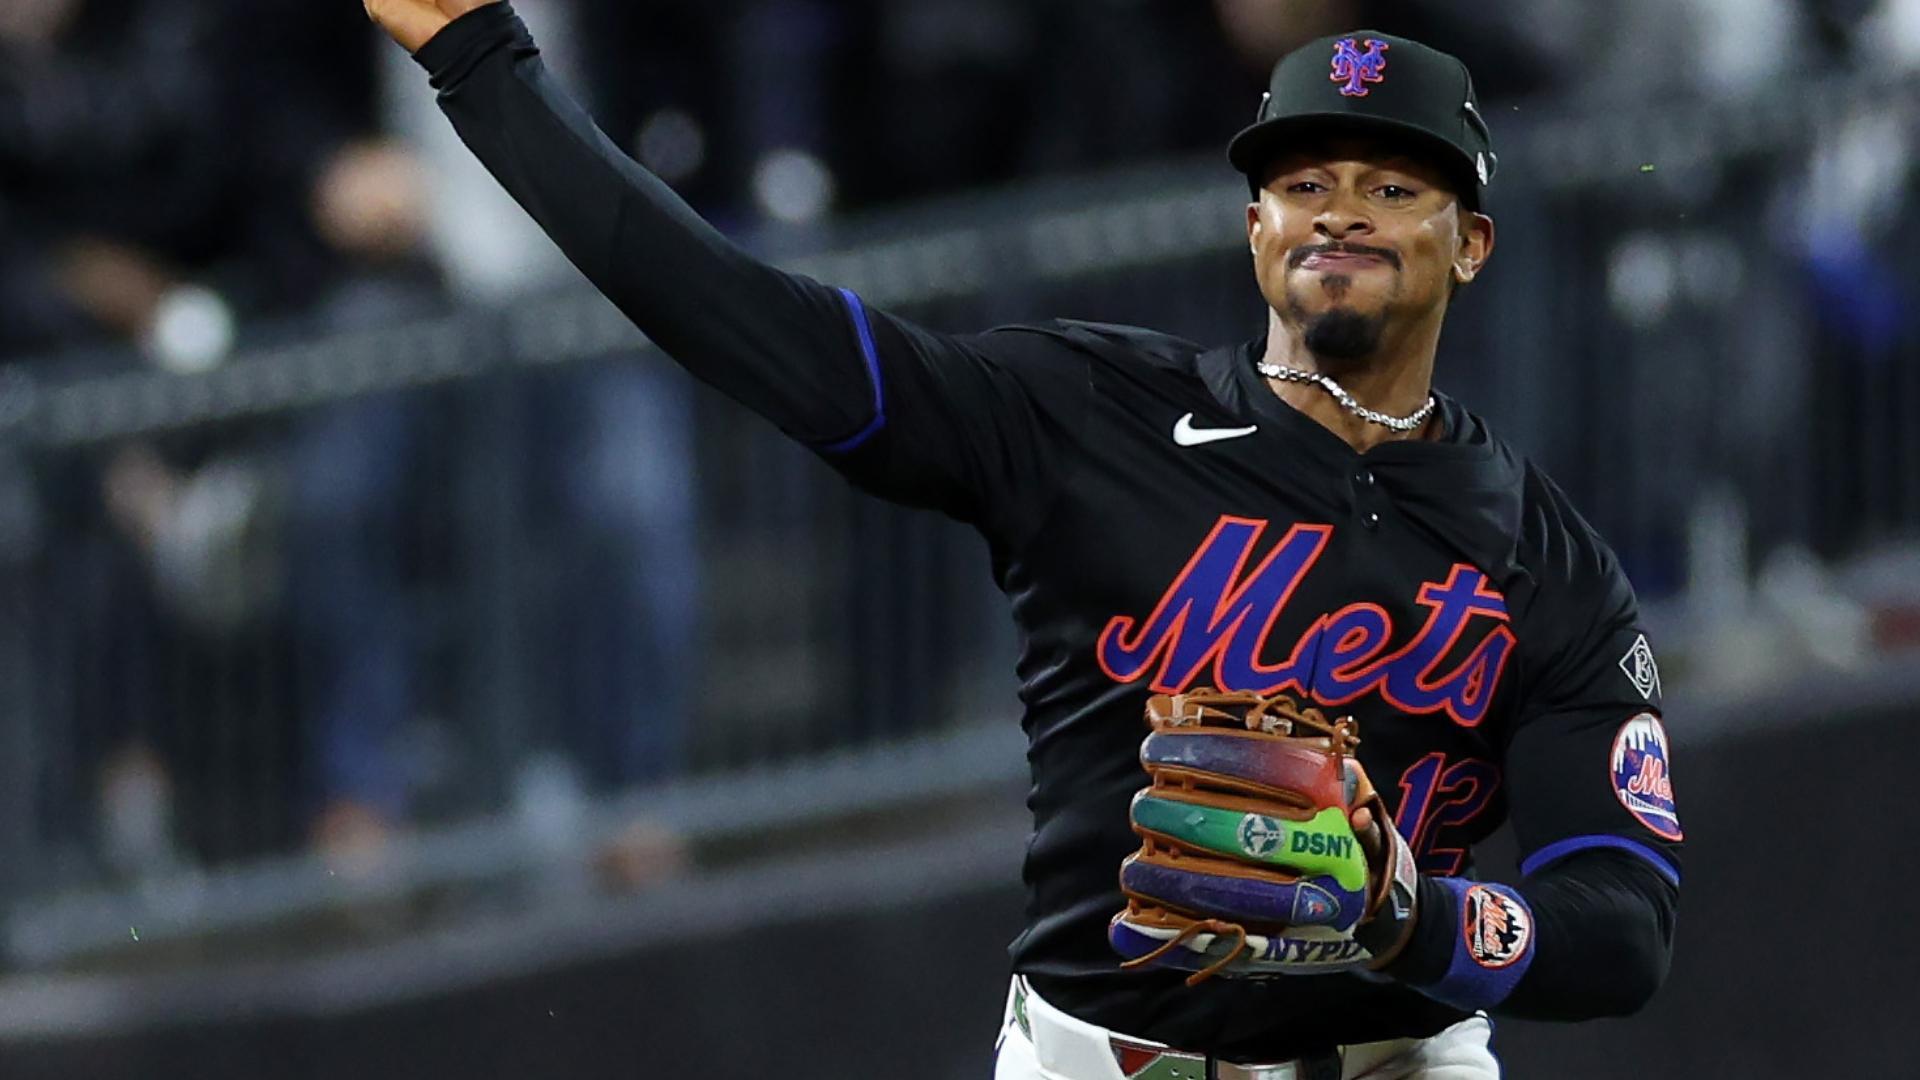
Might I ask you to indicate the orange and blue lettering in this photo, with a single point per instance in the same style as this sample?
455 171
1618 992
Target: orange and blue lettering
1219 614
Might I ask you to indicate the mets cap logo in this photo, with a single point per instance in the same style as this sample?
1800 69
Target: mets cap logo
1355 69
1642 780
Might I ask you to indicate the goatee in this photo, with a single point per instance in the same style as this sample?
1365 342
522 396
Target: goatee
1343 334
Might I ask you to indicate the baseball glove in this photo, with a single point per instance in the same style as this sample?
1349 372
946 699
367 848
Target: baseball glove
1249 863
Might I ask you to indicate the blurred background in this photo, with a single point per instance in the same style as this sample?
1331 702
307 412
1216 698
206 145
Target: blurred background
405 670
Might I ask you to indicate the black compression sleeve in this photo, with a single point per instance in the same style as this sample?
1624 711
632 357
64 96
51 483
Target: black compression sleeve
1602 924
783 345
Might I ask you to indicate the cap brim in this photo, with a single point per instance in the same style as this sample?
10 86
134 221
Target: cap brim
1257 145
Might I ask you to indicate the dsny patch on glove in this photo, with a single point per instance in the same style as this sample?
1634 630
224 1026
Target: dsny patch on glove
1250 863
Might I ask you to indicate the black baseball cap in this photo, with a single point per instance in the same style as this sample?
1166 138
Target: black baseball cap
1368 81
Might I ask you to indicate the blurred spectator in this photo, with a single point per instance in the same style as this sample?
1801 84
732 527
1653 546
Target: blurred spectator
598 463
1628 49
488 248
848 104
111 125
754 141
612 604
1852 222
116 198
647 72
587 472
171 173
1261 32
1112 81
1507 58
153 157
153 162
354 507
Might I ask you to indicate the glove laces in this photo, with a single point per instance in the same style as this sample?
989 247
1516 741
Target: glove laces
1199 926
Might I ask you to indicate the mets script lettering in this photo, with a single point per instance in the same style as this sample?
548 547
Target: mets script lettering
1218 615
1652 779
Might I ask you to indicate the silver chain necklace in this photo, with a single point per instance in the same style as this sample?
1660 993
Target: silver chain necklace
1401 424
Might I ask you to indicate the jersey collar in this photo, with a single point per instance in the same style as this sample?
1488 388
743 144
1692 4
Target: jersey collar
1467 488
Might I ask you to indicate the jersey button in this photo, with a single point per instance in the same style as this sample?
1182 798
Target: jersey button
1364 478
1371 520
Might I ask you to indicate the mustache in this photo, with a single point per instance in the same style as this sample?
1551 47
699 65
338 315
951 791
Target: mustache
1302 254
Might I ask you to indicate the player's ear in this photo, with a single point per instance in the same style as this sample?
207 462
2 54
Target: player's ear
1254 224
1476 246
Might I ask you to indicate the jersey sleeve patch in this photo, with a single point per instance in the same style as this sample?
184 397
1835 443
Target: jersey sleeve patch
1641 670
1495 927
1641 775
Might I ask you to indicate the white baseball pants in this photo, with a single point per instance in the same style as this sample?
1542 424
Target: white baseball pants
1056 1046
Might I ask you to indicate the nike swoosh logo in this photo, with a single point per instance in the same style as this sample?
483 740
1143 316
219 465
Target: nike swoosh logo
1185 434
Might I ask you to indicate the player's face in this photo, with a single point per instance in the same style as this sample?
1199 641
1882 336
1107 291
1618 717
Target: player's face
1350 237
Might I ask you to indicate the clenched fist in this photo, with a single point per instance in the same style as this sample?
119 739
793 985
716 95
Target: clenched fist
412 22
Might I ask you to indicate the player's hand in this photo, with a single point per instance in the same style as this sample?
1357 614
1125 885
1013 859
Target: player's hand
413 22
1393 880
1371 841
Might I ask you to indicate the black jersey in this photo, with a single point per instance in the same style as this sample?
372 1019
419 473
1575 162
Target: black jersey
1160 520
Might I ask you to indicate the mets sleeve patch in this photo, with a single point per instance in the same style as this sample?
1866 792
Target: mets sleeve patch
1642 775
1495 926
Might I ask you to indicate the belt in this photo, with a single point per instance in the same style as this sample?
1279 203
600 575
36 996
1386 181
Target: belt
1053 1033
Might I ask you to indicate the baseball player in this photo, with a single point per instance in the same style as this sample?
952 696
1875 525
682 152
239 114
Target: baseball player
1295 526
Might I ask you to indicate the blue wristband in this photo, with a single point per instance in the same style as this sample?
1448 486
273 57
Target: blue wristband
1493 937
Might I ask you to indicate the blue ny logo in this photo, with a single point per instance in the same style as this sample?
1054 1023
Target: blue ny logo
1355 69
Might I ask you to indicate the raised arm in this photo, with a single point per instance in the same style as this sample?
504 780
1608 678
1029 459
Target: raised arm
971 425
783 345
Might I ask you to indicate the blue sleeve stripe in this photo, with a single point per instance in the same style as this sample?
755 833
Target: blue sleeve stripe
1560 849
858 313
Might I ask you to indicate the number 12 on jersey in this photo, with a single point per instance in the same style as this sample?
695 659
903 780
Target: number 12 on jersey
1435 796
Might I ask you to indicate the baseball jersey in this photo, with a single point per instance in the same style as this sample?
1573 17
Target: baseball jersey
1160 520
